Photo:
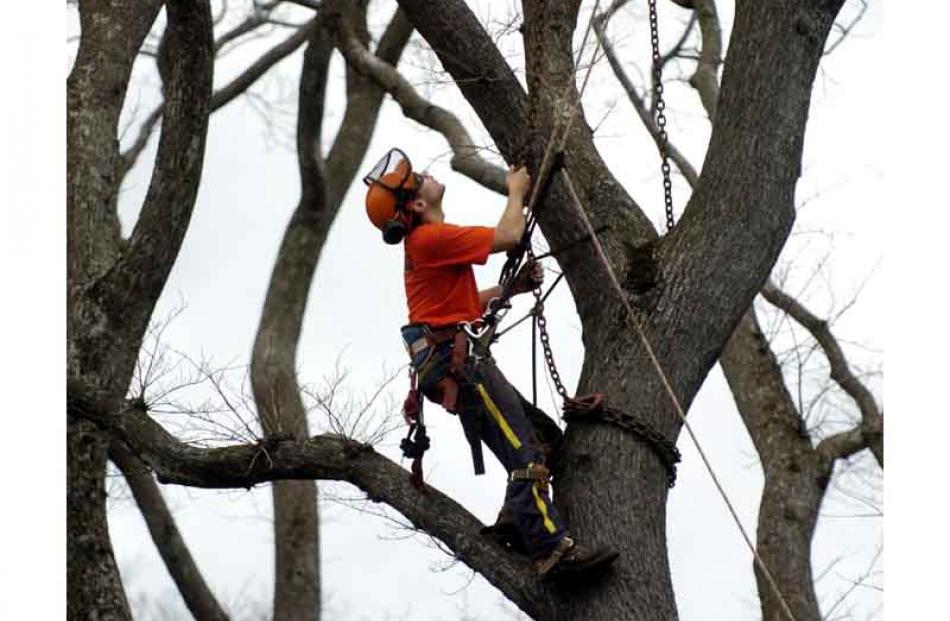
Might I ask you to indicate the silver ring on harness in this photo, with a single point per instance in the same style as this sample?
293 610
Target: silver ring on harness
473 332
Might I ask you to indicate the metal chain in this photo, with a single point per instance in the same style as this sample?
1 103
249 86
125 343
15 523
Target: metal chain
660 107
664 448
661 446
542 323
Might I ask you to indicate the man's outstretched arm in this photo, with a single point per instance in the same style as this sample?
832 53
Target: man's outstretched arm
510 226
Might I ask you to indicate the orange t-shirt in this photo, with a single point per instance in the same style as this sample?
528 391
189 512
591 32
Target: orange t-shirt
440 284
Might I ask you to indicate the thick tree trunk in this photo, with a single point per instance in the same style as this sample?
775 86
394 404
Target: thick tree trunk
93 586
95 89
113 285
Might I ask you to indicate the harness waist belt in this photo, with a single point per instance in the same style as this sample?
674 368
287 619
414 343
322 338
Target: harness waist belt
417 345
431 336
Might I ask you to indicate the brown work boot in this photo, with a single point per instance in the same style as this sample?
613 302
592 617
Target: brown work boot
505 532
572 560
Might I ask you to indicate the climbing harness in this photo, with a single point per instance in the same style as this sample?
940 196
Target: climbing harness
532 472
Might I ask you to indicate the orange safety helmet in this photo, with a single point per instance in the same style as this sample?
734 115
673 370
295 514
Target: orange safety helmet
392 185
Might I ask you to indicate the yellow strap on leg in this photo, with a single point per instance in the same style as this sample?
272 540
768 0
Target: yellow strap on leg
543 508
496 414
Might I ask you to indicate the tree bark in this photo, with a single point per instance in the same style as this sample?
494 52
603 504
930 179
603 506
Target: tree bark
95 90
112 285
93 585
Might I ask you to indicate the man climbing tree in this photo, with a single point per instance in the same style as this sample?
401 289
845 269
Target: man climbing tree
687 289
454 368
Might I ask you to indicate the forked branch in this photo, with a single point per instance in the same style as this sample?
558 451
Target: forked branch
870 433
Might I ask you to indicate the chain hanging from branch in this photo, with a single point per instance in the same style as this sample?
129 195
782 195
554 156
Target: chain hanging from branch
660 107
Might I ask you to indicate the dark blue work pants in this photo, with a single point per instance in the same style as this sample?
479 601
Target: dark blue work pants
486 397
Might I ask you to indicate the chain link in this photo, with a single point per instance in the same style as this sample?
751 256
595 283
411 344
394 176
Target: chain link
660 108
663 448
545 338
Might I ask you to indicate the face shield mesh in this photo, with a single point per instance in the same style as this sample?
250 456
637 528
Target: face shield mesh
393 171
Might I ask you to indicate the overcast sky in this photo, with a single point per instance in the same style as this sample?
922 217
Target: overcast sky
250 187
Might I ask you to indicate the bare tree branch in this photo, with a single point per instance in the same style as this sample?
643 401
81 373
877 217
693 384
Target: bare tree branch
255 19
844 30
324 457
477 67
165 534
252 22
795 479
677 50
871 428
855 583
226 93
217 19
310 4
363 100
466 158
706 77
842 445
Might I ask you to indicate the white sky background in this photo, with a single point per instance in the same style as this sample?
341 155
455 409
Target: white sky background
248 191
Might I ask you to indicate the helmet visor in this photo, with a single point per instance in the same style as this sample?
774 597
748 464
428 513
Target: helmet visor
393 171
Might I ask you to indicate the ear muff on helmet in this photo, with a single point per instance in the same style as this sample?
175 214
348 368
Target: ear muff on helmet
394 231
392 186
